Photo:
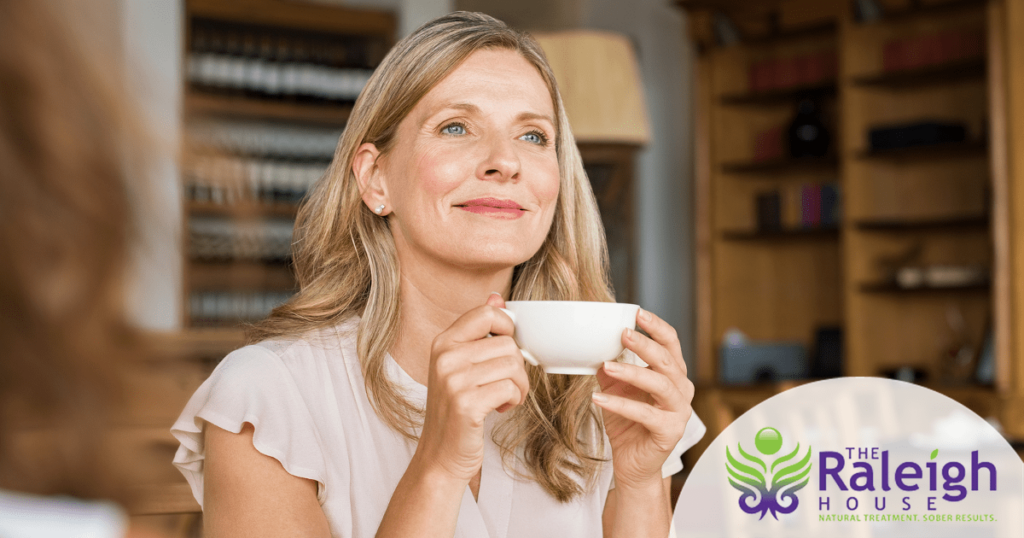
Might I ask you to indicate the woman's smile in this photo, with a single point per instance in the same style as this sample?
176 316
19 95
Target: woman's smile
493 207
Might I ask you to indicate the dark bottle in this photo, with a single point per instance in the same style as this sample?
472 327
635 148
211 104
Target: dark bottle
807 134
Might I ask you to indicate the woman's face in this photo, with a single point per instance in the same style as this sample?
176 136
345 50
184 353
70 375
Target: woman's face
473 177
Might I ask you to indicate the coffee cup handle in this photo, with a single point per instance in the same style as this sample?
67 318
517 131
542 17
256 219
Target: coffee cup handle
526 354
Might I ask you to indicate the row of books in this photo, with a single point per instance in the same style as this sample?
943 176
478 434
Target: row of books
228 306
227 180
219 72
265 139
222 239
793 72
799 206
950 46
282 45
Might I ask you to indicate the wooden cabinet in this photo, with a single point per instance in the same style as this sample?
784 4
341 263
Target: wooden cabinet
909 216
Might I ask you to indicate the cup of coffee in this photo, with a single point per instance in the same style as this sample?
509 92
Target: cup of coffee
570 337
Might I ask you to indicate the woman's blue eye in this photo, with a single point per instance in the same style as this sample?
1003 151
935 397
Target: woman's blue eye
454 129
535 137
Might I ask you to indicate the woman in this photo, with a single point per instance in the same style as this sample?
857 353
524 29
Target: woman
64 134
366 408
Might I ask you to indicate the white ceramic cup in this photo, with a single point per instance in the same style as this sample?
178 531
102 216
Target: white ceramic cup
570 337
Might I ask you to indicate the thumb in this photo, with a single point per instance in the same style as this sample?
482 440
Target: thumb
495 300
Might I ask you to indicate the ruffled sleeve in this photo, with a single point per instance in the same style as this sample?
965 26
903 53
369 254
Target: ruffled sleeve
254 385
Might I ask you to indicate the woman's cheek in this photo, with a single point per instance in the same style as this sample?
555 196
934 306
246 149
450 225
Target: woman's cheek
439 173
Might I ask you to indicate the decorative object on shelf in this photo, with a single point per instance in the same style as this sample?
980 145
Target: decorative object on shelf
941 276
957 365
907 374
922 133
928 50
827 357
806 134
867 11
986 371
808 70
744 361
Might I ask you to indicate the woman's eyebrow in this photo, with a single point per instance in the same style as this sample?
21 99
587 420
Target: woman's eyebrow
473 109
535 116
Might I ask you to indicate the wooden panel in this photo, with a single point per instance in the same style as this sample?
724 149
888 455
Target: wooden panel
897 330
777 290
1015 130
1003 289
704 244
918 190
300 15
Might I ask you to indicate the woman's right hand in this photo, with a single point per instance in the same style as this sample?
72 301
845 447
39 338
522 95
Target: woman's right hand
470 376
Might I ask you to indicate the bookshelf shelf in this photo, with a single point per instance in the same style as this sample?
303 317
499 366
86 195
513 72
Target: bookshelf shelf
210 104
782 235
893 288
929 76
782 166
779 97
243 209
959 223
240 275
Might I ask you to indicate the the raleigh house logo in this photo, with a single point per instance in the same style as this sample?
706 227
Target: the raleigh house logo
768 484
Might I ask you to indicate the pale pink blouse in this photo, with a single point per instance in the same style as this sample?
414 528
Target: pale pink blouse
307 401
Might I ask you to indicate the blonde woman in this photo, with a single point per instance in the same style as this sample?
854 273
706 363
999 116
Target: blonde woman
367 405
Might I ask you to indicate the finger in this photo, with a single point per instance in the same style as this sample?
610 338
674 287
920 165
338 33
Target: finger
658 385
661 332
477 324
661 423
508 367
495 299
500 393
653 353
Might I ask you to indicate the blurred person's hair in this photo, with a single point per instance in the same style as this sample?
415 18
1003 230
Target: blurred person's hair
67 140
346 263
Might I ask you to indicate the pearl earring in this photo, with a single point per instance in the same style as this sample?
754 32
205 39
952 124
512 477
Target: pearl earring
379 210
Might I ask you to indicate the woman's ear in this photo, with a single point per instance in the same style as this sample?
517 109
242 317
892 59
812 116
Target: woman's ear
369 176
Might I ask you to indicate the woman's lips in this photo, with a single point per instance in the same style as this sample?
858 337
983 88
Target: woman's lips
493 207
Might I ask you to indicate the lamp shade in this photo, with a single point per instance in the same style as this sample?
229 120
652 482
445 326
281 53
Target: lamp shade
600 84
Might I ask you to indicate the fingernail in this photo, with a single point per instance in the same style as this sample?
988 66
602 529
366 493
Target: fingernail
612 367
645 315
600 398
629 334
496 293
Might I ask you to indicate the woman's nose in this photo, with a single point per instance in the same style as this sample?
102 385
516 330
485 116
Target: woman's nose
501 162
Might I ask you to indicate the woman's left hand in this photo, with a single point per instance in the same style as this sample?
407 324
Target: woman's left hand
646 409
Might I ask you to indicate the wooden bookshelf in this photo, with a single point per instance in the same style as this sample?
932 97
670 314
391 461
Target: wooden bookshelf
283 35
938 204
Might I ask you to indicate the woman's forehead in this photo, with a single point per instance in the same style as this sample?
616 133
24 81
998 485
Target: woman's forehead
491 78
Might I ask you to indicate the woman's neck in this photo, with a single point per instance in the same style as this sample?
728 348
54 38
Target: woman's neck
433 296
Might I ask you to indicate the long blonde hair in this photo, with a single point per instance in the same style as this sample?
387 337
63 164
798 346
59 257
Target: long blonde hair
346 263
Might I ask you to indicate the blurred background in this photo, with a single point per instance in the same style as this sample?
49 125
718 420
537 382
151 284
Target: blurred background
805 189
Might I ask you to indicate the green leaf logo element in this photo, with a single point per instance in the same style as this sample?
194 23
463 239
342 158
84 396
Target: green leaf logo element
935 453
735 468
